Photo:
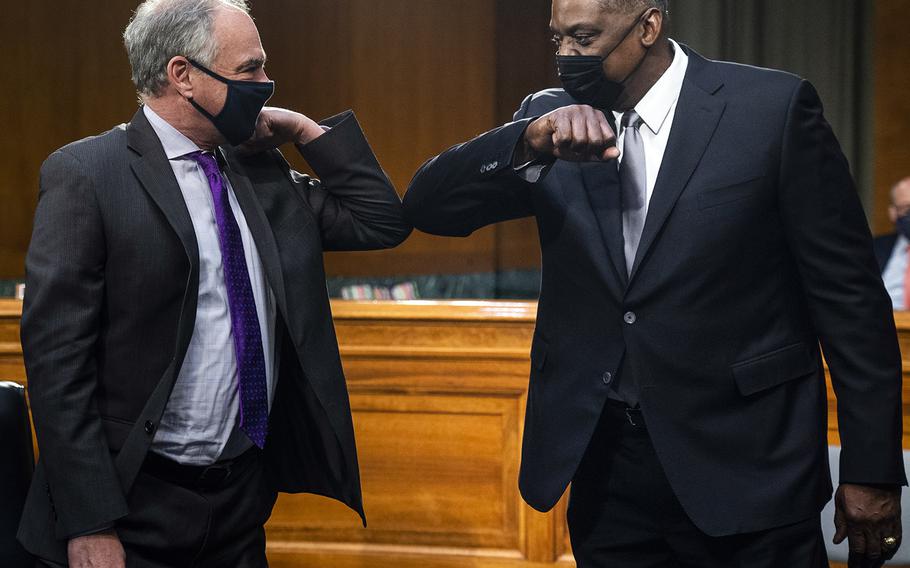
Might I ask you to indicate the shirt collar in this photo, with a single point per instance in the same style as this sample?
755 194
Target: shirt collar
176 144
654 107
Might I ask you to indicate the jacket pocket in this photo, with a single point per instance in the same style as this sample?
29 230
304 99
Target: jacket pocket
538 352
774 368
729 193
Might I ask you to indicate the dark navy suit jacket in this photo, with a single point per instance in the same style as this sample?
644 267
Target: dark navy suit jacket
755 253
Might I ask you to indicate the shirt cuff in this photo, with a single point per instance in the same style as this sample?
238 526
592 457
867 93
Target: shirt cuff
104 528
535 170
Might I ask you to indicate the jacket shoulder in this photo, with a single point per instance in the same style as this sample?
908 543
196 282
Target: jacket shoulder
544 101
95 151
757 80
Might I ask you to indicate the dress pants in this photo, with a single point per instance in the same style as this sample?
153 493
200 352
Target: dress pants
176 521
623 513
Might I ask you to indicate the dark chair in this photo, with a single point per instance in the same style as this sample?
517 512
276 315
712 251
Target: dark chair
17 461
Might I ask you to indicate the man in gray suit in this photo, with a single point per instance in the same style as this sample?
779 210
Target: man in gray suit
178 340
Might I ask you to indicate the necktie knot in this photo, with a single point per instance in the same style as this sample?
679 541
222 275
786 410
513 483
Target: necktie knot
206 161
631 118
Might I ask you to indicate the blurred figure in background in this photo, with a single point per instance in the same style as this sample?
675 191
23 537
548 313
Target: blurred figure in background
893 250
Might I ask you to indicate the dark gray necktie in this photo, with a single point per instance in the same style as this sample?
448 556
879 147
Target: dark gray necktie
633 181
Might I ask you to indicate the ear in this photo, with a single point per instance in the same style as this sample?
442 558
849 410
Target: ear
892 214
653 23
178 75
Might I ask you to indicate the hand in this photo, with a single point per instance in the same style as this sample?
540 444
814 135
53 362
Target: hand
277 126
101 550
577 133
866 515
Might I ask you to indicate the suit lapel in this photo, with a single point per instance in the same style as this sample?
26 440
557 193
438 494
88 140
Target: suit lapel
260 229
154 172
698 113
601 182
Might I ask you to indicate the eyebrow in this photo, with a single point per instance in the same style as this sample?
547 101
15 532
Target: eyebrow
575 28
250 64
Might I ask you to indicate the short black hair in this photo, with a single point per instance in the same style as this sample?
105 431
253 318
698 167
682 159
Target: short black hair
630 5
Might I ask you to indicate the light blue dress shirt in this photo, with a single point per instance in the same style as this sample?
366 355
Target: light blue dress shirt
200 419
895 271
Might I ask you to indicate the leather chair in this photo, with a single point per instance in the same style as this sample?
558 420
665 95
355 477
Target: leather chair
17 462
839 553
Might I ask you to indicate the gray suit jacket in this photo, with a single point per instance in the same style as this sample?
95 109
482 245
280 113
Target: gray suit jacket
112 282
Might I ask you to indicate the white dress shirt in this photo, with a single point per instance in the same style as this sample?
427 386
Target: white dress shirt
657 109
896 271
203 409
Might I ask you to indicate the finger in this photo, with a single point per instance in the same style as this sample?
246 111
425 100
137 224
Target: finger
840 525
596 138
873 555
606 130
610 153
579 133
894 530
857 542
562 131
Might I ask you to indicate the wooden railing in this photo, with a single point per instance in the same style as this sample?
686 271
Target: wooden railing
438 394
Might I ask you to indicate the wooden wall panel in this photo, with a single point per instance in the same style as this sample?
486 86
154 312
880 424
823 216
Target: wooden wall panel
892 105
420 75
69 78
438 393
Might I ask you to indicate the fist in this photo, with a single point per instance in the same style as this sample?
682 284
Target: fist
577 133
278 126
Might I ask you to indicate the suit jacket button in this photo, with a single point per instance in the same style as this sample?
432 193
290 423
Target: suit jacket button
149 427
608 378
630 318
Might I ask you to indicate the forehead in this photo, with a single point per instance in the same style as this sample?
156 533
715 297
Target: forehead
236 35
567 14
901 192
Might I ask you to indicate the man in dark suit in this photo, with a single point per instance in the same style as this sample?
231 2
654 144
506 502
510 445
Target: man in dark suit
691 268
891 250
178 340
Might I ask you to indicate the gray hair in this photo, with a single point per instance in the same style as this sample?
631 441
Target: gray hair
630 5
163 29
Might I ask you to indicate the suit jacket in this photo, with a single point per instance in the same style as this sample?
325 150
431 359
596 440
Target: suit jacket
884 248
755 250
112 283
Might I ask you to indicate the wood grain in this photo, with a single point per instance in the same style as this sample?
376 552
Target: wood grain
438 391
421 76
892 106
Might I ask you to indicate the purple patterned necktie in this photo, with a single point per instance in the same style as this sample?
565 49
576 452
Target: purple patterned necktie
254 401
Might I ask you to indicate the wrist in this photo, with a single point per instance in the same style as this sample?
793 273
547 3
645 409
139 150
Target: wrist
524 152
307 133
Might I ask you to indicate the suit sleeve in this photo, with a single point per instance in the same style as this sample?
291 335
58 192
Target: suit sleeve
60 326
473 184
850 309
353 199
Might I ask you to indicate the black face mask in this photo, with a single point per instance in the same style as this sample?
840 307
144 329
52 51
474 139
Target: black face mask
245 99
583 76
903 225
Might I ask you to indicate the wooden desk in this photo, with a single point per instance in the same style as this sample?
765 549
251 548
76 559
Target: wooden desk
438 394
